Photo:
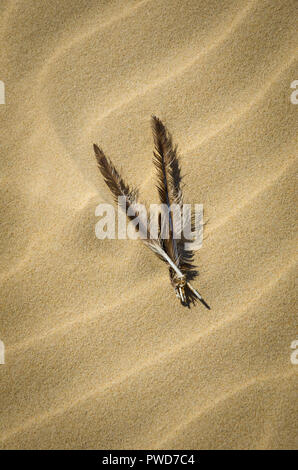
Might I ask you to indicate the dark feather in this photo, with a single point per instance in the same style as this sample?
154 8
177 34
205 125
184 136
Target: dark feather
169 177
172 250
118 188
113 179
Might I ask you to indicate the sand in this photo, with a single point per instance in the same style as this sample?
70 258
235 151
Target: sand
99 354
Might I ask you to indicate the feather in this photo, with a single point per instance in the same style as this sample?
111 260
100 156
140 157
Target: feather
169 250
113 179
164 161
119 188
169 179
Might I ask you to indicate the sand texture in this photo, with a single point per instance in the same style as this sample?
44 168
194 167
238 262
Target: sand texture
99 352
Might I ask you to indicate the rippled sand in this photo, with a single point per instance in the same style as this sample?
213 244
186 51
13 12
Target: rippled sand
99 353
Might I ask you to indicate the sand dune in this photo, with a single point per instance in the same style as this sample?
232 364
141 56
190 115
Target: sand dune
99 353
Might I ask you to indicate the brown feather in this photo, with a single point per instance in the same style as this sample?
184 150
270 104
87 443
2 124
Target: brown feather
118 187
170 251
169 177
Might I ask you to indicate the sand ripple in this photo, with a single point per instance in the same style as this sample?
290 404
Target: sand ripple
98 357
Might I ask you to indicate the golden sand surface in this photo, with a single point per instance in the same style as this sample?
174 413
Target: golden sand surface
99 354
